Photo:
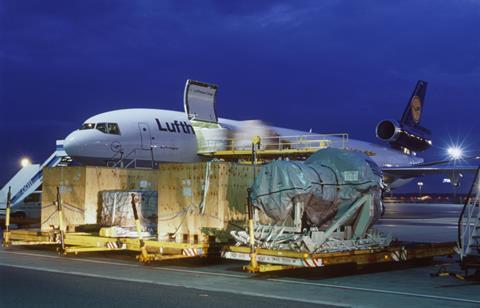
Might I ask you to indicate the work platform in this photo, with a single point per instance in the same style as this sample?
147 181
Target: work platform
296 147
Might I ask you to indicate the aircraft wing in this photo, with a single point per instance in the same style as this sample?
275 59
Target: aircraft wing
416 171
449 161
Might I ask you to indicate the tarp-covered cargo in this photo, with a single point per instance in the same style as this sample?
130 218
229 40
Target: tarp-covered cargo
328 183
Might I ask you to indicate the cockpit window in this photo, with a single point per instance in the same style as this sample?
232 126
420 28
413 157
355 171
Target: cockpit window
87 126
102 127
108 128
113 128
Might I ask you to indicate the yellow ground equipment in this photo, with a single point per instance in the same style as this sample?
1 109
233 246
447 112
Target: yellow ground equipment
319 213
266 260
297 147
150 249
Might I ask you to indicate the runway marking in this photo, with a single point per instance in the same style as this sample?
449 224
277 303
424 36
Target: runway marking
287 281
169 269
378 291
211 289
392 226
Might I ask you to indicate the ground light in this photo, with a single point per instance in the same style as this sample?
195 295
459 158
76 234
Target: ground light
455 152
420 186
25 161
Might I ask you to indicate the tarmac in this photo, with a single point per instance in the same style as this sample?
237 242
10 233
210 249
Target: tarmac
40 277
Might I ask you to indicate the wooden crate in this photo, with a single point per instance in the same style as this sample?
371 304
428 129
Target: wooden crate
181 193
180 190
81 189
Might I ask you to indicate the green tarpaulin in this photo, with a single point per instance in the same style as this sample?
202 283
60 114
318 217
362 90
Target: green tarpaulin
327 183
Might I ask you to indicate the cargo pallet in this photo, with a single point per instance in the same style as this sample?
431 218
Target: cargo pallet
267 260
150 248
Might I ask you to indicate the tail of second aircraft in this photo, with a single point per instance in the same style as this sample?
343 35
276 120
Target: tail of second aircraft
408 133
413 111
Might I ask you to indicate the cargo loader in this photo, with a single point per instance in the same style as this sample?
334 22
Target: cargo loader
320 213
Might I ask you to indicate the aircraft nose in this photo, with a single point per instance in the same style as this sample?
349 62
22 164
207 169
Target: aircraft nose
88 145
74 144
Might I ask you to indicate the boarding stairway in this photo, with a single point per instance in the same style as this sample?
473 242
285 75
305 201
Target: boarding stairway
30 178
131 160
469 228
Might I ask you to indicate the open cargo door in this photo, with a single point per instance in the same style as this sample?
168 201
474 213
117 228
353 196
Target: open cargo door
199 101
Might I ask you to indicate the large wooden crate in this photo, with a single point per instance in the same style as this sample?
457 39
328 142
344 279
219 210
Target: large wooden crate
81 189
199 196
191 197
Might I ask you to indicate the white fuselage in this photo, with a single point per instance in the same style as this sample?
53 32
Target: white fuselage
168 136
139 136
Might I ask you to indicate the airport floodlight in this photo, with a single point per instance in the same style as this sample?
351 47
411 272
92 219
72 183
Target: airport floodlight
455 152
420 187
25 161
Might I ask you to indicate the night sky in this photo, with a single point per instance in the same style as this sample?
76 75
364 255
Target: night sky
333 66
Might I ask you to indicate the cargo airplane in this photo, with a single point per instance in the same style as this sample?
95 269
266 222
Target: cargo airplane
152 136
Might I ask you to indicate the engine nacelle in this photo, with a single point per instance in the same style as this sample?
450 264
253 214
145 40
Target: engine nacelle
414 139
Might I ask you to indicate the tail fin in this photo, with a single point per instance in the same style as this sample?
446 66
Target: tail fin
413 112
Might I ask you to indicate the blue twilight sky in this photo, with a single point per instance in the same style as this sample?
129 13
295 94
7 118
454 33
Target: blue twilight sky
333 66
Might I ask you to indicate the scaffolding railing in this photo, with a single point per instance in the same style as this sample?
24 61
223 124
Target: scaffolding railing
131 159
304 142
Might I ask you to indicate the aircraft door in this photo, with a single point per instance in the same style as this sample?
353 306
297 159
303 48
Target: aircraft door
199 101
145 136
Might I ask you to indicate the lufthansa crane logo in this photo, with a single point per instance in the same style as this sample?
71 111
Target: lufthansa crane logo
116 146
416 109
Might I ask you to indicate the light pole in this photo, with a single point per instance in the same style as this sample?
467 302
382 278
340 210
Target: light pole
455 154
420 187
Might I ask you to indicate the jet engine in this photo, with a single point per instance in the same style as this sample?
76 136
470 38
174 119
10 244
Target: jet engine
399 136
407 134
